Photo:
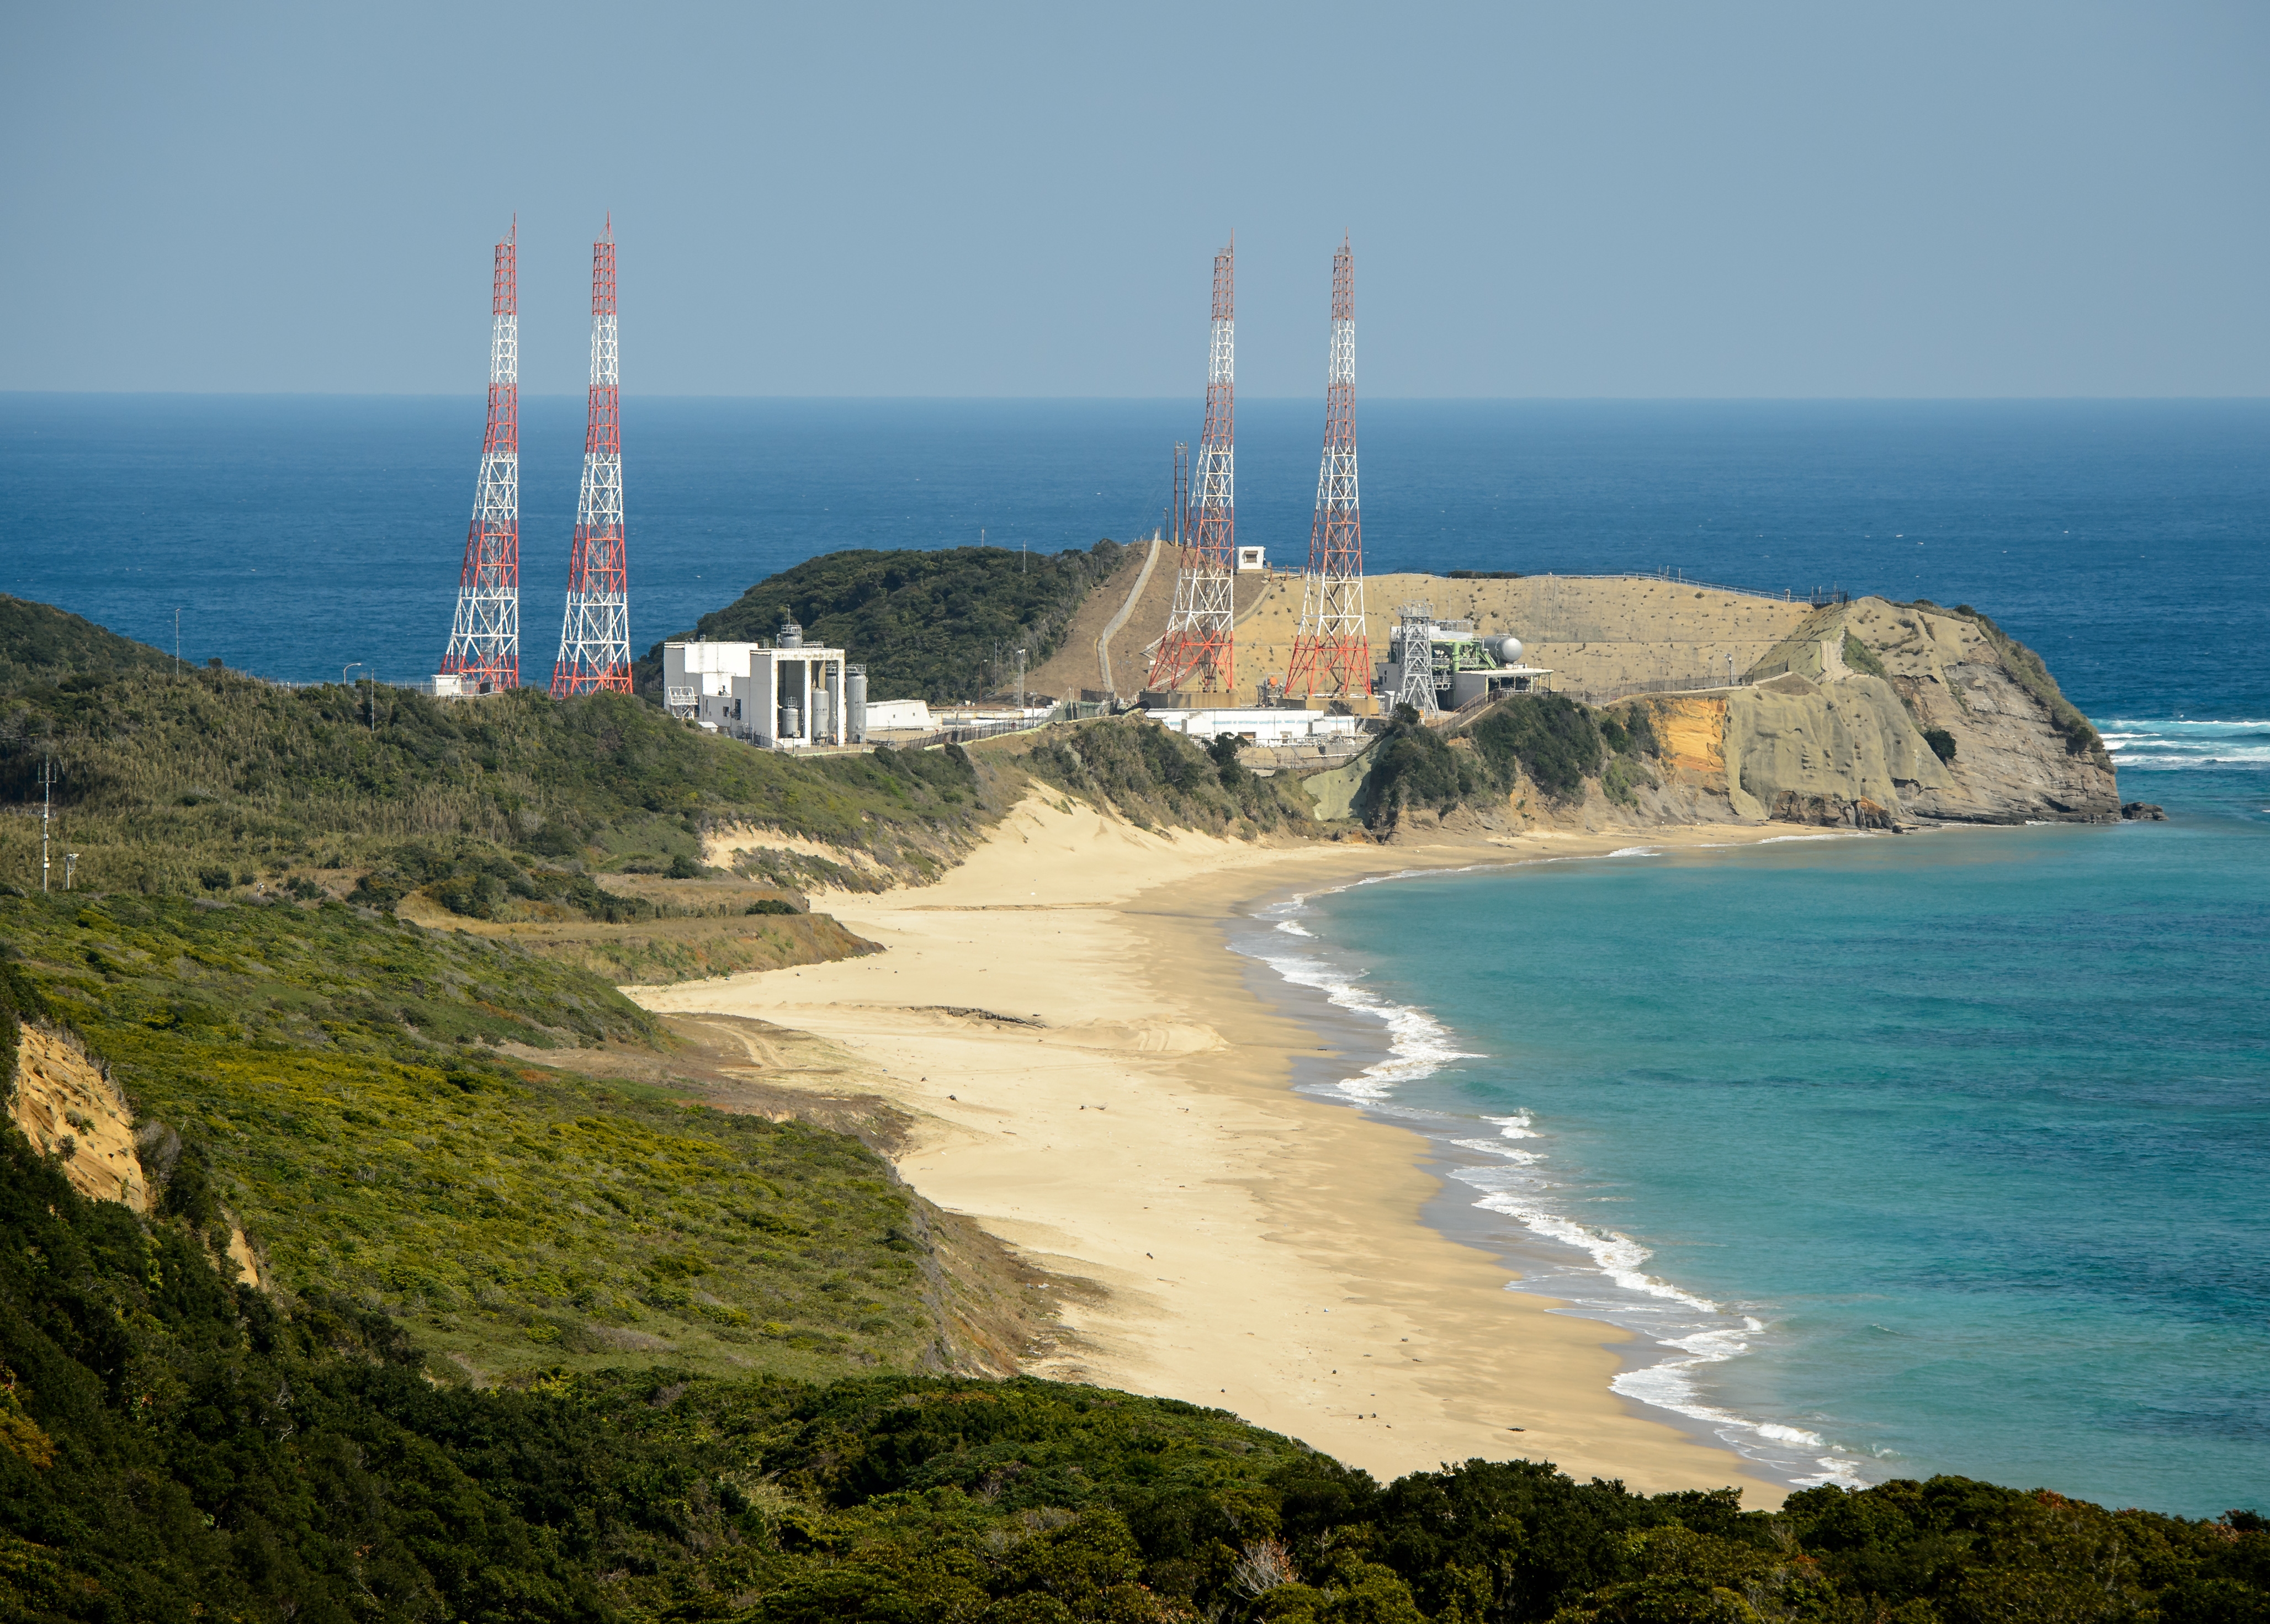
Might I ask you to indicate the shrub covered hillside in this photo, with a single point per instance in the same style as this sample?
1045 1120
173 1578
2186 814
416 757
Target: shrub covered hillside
1151 776
39 644
1553 741
339 1087
942 625
213 782
174 1447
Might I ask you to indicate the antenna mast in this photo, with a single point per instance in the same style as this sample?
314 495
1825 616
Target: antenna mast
1199 640
595 636
485 637
1330 650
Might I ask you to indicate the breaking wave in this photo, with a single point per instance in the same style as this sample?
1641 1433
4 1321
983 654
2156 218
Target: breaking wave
1606 1275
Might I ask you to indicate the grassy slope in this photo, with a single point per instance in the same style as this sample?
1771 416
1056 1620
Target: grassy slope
213 781
169 1448
1153 777
941 626
330 1080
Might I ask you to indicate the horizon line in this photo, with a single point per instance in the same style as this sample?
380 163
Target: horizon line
567 395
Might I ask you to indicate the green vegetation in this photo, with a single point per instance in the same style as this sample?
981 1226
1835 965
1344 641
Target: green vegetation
173 1448
507 807
941 626
1151 776
1862 658
1557 742
339 1085
41 644
1941 743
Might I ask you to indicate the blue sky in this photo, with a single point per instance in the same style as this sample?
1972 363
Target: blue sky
1608 200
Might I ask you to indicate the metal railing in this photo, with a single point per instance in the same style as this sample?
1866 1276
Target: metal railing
1818 597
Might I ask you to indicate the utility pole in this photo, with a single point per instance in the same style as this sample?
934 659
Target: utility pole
1021 685
177 641
47 814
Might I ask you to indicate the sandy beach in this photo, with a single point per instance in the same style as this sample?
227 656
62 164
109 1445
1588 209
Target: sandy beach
1093 1082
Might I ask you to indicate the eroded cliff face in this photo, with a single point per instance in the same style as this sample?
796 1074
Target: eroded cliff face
69 1108
1834 726
1828 741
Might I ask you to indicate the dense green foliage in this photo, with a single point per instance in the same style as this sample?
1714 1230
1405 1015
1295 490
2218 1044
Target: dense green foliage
506 807
941 626
1551 740
172 1447
1941 743
335 1083
1152 777
42 644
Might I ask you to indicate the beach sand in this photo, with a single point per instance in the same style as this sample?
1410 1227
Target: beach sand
1093 1082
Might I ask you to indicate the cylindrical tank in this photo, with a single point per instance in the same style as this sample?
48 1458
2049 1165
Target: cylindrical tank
791 634
855 701
1507 648
831 718
789 717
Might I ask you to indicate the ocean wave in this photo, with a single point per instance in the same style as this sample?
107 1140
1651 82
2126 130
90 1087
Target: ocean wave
2182 743
1616 1255
1671 1385
1513 1184
1418 1045
1636 851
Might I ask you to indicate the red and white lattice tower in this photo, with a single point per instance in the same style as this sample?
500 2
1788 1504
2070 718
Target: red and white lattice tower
485 638
595 637
1199 640
1330 653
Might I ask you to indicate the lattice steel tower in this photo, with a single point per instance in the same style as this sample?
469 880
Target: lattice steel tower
485 637
595 637
1331 651
1197 642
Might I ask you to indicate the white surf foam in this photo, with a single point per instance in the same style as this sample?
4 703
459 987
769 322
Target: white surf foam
1516 1182
1418 1045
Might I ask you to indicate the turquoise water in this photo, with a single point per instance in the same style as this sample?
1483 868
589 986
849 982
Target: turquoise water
1937 1153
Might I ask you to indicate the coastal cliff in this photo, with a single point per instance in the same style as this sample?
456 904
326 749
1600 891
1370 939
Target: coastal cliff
1864 715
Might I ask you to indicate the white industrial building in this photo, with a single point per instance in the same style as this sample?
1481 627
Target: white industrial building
784 695
1273 728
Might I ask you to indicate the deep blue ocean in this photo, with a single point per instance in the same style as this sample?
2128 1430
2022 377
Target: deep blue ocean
1906 1154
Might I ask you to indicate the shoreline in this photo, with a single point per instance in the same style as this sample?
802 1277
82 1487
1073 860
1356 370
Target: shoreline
1089 1085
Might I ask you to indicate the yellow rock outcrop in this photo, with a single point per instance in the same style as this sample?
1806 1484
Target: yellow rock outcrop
63 1099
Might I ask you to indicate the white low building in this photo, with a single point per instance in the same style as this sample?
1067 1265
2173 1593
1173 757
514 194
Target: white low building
1274 728
899 717
784 695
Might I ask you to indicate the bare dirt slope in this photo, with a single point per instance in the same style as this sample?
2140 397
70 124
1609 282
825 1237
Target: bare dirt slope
1074 665
1599 636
